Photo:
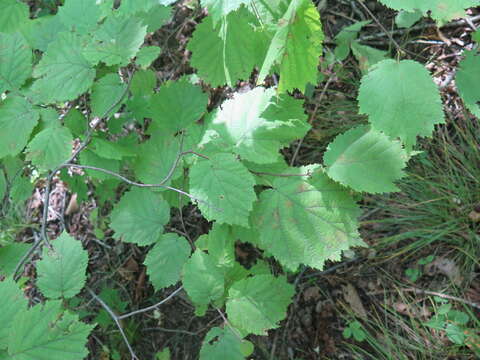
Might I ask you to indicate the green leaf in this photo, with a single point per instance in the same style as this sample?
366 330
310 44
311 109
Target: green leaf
401 100
440 10
259 303
269 12
455 334
221 344
91 158
42 31
476 36
116 41
221 8
48 333
15 61
406 19
80 16
147 55
50 148
345 37
468 81
13 15
296 47
156 17
202 280
151 168
12 302
76 122
225 188
365 160
139 217
11 254
257 124
166 260
17 120
226 52
163 355
111 149
306 222
367 55
132 7
220 244
63 71
61 272
105 93
176 105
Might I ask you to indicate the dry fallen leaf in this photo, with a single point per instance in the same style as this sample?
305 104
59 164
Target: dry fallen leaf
312 293
351 296
445 267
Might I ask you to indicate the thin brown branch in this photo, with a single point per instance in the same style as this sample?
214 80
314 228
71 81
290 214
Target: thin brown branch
153 307
46 198
117 322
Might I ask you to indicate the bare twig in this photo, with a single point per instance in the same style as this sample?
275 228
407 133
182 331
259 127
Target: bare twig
117 322
418 27
443 296
153 307
134 183
225 320
312 117
280 175
46 198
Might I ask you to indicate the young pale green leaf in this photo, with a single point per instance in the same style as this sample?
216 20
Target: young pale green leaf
220 244
441 10
302 222
221 344
365 160
13 15
401 100
12 302
269 12
80 16
105 93
147 55
176 105
61 272
63 71
202 279
139 217
17 120
151 168
226 52
225 188
15 61
468 81
257 124
48 333
166 260
50 148
116 41
221 8
258 303
296 47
